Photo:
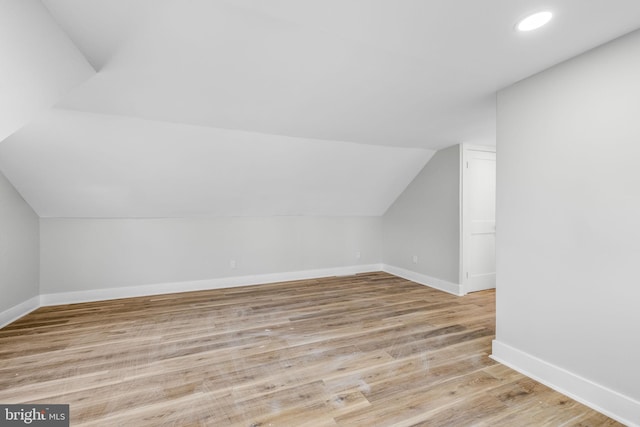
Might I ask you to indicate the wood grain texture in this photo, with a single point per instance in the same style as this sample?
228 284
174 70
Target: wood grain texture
364 350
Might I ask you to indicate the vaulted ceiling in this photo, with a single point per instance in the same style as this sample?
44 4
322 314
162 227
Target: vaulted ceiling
156 108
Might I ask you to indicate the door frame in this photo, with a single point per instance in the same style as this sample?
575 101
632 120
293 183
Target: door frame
465 148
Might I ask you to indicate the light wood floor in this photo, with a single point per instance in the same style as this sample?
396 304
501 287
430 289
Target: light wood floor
365 350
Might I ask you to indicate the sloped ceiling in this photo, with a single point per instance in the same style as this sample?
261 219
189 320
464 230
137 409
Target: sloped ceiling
277 107
138 168
38 63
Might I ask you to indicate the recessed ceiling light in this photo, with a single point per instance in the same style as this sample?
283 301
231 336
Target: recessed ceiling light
534 21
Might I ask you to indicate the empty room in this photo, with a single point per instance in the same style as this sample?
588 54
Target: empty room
319 213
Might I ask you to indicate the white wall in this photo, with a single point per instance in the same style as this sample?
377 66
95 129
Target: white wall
39 63
89 254
425 220
19 253
70 164
568 244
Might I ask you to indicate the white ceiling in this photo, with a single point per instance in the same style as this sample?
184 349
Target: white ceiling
137 168
262 89
418 73
38 63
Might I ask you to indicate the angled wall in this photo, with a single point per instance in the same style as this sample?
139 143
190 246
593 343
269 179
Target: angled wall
424 222
568 250
39 63
70 164
19 254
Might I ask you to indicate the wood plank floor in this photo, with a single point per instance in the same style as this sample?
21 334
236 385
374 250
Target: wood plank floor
365 350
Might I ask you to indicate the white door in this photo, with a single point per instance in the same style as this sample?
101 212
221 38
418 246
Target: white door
478 219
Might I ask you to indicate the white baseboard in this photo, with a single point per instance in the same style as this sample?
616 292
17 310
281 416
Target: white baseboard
17 311
609 402
423 279
199 285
